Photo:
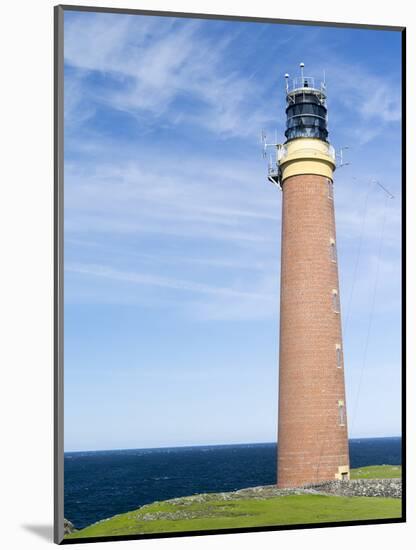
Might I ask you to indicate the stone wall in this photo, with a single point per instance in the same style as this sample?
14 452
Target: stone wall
360 488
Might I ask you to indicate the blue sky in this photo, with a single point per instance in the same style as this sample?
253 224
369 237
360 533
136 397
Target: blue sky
172 234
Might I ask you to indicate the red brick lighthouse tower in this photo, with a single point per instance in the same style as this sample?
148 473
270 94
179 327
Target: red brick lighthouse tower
312 423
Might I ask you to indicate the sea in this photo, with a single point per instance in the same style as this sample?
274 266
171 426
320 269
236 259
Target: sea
100 484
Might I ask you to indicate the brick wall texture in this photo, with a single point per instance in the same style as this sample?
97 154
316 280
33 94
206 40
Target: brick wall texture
312 440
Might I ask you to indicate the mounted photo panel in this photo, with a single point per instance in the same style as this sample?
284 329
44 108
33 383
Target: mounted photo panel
229 196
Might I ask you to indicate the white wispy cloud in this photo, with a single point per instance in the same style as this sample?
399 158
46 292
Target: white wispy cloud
156 280
154 61
219 203
141 198
373 100
232 219
199 300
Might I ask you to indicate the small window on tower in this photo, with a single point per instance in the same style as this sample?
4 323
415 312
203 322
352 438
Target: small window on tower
341 413
335 301
330 189
338 355
333 250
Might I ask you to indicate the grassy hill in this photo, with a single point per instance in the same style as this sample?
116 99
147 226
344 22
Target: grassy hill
232 510
377 472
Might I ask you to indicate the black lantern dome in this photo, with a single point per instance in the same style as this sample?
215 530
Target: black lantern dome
306 109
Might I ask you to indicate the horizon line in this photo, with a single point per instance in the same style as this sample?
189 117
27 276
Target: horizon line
208 445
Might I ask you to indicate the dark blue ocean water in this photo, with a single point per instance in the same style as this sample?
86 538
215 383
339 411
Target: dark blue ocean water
100 484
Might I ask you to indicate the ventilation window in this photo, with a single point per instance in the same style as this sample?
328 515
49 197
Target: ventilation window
338 355
341 413
330 190
333 250
335 301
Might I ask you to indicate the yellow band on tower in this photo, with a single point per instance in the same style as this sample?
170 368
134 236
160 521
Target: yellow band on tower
307 156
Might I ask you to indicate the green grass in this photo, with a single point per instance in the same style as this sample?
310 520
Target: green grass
377 472
186 514
220 514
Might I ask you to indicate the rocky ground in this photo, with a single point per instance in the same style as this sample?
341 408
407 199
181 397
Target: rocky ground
68 527
388 488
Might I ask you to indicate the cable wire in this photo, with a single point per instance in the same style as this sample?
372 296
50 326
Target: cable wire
370 320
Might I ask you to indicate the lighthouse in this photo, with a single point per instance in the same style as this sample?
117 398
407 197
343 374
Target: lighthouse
312 418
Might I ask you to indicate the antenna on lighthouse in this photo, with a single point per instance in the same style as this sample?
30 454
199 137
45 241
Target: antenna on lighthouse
264 144
273 170
340 156
287 82
390 195
302 65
